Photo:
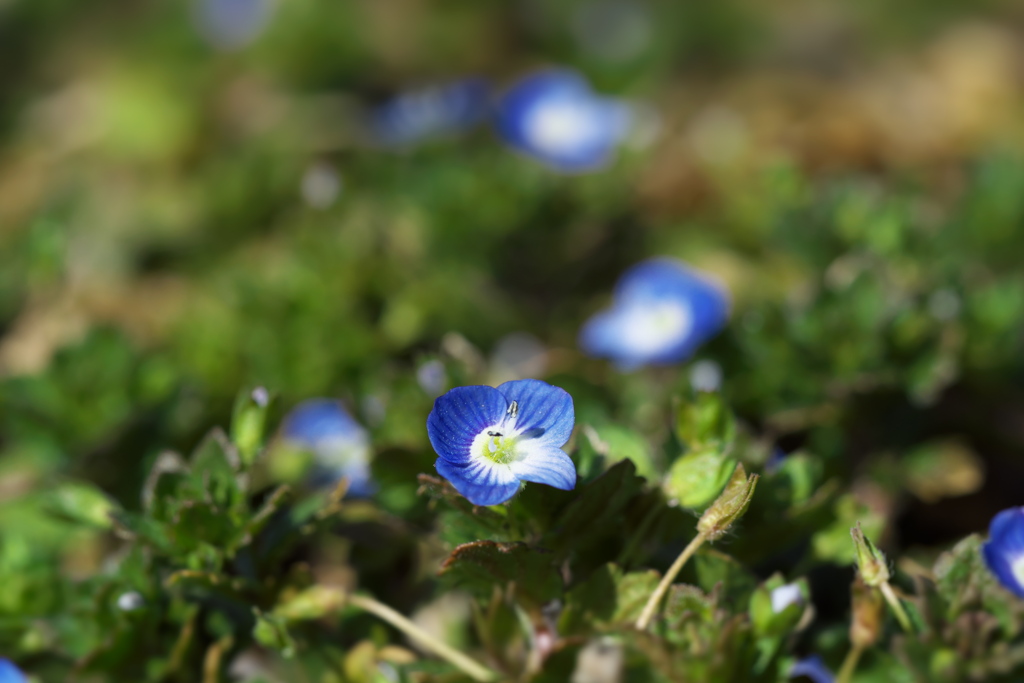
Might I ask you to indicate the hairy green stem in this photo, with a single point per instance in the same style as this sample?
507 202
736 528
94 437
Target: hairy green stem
897 606
472 668
849 664
652 603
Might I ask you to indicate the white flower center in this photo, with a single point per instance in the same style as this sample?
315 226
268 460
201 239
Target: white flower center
498 442
1017 566
651 327
562 126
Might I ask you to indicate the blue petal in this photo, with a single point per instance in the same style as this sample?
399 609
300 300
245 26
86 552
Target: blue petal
459 416
230 24
543 408
1005 547
421 114
593 125
545 464
10 673
318 420
813 668
481 482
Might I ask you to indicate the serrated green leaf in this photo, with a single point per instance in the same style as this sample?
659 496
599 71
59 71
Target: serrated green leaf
480 566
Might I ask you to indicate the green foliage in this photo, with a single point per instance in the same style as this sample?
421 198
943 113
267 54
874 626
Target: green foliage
160 249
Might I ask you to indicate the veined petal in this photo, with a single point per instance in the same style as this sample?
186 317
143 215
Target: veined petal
459 416
480 481
543 463
541 407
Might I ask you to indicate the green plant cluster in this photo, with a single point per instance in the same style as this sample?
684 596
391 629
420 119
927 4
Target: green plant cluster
158 261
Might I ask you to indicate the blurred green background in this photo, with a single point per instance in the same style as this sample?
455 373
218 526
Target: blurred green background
183 216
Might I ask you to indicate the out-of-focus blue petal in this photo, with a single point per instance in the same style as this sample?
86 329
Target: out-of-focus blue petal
1004 550
340 445
553 116
482 483
231 24
813 668
10 673
545 464
319 420
541 407
459 416
418 115
661 313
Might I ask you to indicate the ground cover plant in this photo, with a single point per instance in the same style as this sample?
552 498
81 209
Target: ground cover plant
585 342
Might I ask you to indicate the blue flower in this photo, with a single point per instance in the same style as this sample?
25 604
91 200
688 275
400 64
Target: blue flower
430 112
490 439
554 117
339 444
232 24
662 311
813 668
10 673
1004 550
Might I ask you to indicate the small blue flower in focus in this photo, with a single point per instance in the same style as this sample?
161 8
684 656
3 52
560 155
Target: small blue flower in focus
1004 550
430 112
554 117
491 439
813 668
661 312
339 444
232 24
10 673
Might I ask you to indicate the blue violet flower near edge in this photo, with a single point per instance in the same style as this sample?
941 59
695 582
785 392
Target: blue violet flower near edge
1004 550
490 439
662 310
9 673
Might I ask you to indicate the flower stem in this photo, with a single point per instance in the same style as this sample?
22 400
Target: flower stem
652 603
470 667
897 606
849 664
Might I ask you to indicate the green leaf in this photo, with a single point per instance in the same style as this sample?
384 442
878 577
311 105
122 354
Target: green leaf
706 423
480 566
608 598
272 632
248 422
698 477
81 503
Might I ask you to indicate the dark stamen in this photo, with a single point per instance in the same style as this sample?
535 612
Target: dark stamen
495 434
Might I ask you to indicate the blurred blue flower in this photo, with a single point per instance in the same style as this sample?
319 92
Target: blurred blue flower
813 668
556 118
10 673
430 112
661 312
786 595
339 444
231 24
490 439
1004 550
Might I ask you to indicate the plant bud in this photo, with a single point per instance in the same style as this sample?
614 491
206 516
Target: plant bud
866 620
870 560
729 506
